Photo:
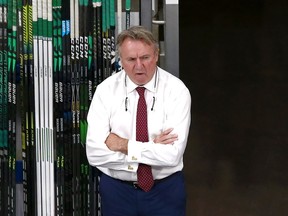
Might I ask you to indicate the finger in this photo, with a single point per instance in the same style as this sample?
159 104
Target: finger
167 131
170 136
170 139
174 138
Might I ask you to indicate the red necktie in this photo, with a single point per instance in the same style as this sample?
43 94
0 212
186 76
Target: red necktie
144 172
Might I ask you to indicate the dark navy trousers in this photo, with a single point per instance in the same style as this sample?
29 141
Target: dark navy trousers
166 198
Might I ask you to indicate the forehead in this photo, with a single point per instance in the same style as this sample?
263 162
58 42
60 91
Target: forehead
136 45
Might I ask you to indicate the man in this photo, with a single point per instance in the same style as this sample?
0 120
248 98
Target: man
118 144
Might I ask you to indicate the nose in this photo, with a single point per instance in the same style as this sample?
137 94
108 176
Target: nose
138 63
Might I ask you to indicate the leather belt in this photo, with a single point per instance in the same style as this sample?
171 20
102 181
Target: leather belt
135 183
131 183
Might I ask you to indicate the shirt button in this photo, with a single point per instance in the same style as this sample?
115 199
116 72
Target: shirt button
130 167
134 158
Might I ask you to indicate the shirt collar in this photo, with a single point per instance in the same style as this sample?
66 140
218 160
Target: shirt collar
131 86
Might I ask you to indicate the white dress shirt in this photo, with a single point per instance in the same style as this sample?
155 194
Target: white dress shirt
113 109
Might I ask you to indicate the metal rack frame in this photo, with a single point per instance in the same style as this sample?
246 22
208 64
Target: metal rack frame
169 48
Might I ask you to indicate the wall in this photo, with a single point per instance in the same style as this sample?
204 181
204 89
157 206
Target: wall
233 58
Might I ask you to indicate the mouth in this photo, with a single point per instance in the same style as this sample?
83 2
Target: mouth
140 73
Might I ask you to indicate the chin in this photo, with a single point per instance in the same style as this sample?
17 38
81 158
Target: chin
140 81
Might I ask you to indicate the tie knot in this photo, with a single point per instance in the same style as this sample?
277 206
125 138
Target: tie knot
140 90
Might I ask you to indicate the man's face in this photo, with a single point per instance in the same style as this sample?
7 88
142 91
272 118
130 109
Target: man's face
138 60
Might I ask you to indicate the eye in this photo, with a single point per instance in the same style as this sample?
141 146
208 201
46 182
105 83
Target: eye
145 57
131 59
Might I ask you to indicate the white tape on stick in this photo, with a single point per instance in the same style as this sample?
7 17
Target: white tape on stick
171 1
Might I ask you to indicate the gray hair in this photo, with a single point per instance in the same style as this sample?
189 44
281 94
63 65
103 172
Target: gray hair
137 33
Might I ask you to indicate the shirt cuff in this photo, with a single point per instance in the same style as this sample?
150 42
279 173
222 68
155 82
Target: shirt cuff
134 153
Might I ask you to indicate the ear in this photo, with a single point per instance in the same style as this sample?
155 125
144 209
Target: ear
156 55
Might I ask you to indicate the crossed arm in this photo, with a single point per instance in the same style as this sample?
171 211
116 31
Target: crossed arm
117 143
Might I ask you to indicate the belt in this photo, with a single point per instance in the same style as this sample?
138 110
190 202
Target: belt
136 186
132 183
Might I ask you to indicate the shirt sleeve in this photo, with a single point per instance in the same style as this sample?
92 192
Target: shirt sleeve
98 154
